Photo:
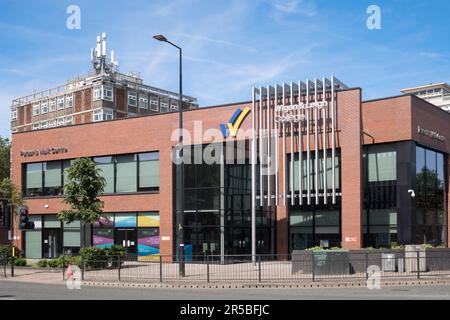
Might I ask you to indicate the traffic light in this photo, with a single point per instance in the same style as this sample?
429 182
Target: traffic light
5 214
24 219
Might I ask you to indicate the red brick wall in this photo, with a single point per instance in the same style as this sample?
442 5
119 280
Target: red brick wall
349 114
131 135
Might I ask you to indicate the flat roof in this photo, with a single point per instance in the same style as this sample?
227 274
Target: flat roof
427 86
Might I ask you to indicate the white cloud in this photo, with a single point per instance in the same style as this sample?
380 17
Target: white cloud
301 7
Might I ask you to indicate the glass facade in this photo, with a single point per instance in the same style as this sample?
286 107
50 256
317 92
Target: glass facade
430 197
315 224
217 207
379 216
123 174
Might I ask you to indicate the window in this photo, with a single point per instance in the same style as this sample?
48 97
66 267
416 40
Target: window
44 106
36 126
44 125
148 171
60 103
97 93
143 101
123 174
33 182
174 105
164 106
69 120
36 109
103 93
153 103
69 101
59 122
132 99
382 163
14 114
430 196
52 178
126 178
108 93
106 165
71 237
102 115
52 105
52 124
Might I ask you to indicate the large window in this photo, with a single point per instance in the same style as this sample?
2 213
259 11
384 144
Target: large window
148 175
126 173
315 225
132 99
143 101
106 166
105 92
380 196
123 174
430 196
312 172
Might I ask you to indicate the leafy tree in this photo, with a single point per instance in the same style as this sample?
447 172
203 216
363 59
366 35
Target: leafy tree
5 148
9 191
81 193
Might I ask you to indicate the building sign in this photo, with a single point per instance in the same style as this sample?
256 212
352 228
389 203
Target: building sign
43 152
306 113
432 134
232 127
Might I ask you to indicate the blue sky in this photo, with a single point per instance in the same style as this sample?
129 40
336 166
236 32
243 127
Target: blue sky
229 45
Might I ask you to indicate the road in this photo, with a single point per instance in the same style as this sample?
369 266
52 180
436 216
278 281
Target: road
31 291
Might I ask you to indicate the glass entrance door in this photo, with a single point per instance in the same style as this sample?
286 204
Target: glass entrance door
127 239
51 242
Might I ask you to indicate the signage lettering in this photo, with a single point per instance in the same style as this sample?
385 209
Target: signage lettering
43 152
432 134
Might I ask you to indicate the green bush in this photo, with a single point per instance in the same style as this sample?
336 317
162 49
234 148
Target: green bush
52 263
7 250
42 264
20 262
101 258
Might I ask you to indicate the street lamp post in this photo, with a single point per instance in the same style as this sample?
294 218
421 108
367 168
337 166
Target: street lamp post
180 209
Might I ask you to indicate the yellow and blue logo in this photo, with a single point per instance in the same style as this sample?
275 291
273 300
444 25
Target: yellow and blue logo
232 127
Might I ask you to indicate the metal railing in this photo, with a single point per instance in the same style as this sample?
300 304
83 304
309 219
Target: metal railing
307 266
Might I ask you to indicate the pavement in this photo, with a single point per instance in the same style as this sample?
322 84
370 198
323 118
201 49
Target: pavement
12 290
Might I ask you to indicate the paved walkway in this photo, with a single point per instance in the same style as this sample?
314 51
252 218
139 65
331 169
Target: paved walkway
46 276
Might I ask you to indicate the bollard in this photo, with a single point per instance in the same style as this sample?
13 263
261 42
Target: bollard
313 266
82 268
63 265
367 265
12 265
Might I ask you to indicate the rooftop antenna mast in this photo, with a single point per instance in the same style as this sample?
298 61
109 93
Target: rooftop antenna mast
99 58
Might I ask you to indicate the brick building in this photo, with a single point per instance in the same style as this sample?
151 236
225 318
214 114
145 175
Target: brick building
102 94
348 173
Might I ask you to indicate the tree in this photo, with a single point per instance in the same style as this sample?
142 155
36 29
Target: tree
81 193
5 165
9 191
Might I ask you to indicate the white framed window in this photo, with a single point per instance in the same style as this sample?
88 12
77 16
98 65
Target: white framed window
104 93
164 106
44 125
36 126
69 120
174 105
52 124
98 93
60 103
69 101
108 93
44 106
143 101
102 115
36 109
59 122
132 99
52 105
13 114
153 103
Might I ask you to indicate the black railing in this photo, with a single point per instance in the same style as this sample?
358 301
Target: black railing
305 266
